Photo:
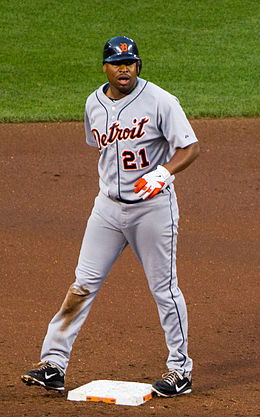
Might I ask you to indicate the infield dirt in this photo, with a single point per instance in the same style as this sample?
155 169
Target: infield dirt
48 184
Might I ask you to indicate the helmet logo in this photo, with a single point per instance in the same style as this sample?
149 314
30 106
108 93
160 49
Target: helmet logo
123 47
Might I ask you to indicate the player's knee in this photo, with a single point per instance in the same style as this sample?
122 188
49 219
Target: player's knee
162 293
156 288
158 298
72 304
74 296
78 290
92 280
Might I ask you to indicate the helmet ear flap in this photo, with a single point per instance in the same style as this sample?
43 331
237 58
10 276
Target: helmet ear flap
138 66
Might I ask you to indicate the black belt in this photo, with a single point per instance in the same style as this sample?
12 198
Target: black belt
128 201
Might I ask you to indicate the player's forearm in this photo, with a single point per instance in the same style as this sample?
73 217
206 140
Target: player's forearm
183 158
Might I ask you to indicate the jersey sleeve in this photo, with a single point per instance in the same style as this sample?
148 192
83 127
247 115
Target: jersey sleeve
174 124
90 139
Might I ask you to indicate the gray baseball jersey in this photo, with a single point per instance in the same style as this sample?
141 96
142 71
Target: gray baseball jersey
134 135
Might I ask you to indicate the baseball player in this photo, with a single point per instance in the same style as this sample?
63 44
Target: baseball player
144 139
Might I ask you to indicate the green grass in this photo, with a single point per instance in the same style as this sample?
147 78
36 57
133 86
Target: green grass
203 51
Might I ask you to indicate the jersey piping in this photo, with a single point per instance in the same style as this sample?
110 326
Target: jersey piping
130 102
117 152
171 279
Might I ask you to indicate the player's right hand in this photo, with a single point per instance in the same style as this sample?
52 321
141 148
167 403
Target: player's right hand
152 183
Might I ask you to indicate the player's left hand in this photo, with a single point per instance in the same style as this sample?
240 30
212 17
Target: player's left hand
153 182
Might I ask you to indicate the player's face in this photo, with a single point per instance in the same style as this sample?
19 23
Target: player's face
122 77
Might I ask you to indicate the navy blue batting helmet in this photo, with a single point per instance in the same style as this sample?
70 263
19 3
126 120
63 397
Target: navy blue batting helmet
121 48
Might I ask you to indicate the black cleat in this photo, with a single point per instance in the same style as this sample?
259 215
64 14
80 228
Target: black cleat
172 384
46 375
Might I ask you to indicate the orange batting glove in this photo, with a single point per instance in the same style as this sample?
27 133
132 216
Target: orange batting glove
153 182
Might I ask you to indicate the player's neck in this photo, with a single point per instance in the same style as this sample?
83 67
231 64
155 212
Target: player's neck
116 94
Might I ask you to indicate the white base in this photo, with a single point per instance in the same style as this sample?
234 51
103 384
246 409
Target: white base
113 392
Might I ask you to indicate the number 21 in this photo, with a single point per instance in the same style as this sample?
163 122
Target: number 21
130 159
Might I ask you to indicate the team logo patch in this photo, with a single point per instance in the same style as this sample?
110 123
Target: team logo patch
123 47
118 133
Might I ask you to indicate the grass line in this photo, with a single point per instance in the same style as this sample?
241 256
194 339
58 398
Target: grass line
203 51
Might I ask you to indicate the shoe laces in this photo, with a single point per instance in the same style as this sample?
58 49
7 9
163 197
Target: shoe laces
45 365
172 377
